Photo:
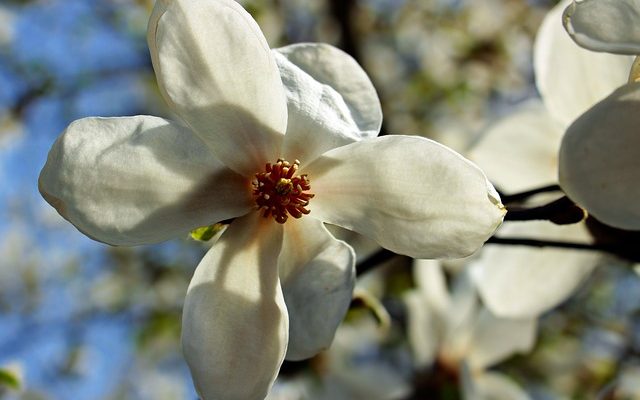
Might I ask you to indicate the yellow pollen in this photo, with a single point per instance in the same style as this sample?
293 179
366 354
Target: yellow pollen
284 186
279 193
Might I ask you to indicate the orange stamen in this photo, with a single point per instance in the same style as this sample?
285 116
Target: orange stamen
279 193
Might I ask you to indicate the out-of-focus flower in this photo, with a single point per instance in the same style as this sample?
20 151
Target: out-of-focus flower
600 159
604 25
452 330
625 386
520 152
272 285
600 153
7 20
357 366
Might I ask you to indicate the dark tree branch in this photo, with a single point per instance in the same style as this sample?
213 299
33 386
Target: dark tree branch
518 197
342 12
562 212
546 243
375 259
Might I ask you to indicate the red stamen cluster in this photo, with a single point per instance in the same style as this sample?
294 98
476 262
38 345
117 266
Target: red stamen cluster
279 194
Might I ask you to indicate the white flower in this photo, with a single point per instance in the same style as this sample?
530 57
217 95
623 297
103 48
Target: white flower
267 288
521 151
453 329
600 159
7 24
600 153
605 25
356 366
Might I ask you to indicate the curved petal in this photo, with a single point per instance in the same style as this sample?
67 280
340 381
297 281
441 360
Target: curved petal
600 159
520 152
410 194
569 78
234 322
136 180
216 71
523 282
319 119
318 275
355 371
604 25
432 283
422 329
495 339
428 308
460 318
634 74
338 70
362 245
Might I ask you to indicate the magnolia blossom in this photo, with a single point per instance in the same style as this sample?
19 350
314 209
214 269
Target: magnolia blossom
600 153
355 367
605 25
454 330
520 152
7 23
364 360
626 384
279 141
600 159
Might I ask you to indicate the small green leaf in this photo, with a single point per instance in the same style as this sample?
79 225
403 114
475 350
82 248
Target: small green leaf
9 379
205 233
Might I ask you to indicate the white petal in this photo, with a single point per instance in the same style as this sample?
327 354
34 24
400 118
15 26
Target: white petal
569 78
216 71
136 180
356 368
319 118
491 386
423 329
431 281
520 152
428 309
318 276
234 324
600 159
495 339
605 25
338 70
362 245
460 318
410 194
634 74
522 282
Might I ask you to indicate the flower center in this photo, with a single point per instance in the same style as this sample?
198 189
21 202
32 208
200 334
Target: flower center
279 193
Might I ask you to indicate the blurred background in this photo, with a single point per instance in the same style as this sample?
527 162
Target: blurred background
81 320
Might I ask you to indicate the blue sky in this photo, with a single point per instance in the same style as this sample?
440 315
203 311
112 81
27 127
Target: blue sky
89 59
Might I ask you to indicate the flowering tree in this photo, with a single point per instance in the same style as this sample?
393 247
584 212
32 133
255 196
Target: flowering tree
309 213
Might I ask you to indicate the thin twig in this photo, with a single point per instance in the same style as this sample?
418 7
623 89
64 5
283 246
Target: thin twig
517 197
546 243
374 260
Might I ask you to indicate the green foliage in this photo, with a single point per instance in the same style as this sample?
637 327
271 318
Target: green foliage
159 326
206 233
9 379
